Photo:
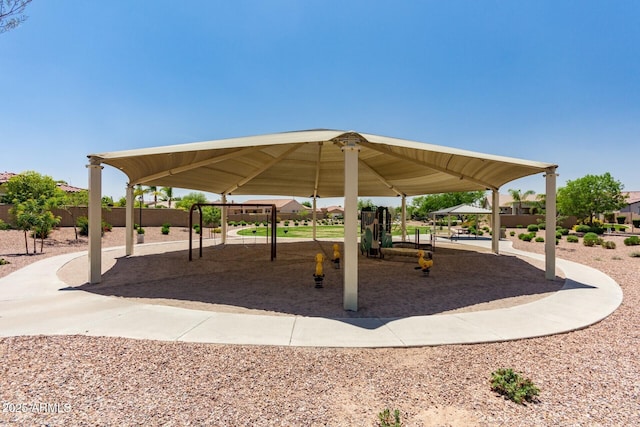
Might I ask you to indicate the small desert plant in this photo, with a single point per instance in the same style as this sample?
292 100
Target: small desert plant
539 239
532 227
582 228
632 241
512 233
591 239
635 254
4 225
513 386
140 230
165 228
4 261
387 420
572 239
609 244
528 237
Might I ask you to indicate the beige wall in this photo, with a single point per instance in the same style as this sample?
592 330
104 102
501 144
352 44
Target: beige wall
151 217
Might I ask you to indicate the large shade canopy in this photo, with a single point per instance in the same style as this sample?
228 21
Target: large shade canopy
314 163
311 163
463 210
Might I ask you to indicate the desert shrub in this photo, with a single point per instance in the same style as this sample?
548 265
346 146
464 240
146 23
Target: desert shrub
4 261
286 223
539 239
82 222
572 239
386 419
106 226
609 244
532 227
196 228
519 226
635 254
632 241
4 225
140 230
165 228
582 228
558 235
636 223
563 231
513 386
512 233
527 237
542 226
591 239
521 235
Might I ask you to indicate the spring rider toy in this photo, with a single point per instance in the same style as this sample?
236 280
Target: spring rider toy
318 276
336 256
425 261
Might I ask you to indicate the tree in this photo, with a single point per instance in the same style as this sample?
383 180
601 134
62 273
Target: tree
589 196
73 200
306 203
11 14
517 197
421 206
365 203
167 195
190 199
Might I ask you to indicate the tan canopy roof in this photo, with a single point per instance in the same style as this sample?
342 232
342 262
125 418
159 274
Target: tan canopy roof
308 163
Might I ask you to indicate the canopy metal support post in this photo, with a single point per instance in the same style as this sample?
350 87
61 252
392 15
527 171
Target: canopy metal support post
314 218
495 217
129 220
350 270
223 219
403 218
550 224
95 221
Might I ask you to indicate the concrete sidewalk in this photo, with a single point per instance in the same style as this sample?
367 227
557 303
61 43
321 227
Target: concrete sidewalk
33 301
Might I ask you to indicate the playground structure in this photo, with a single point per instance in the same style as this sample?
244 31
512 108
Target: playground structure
375 230
198 206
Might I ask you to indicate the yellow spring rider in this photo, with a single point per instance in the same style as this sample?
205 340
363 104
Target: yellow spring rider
425 261
318 276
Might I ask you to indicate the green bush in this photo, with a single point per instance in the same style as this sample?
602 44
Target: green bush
165 228
564 231
572 238
521 235
512 233
636 223
540 239
4 261
609 244
558 235
513 386
82 222
140 230
4 225
196 228
385 419
591 239
635 254
632 241
532 227
527 237
582 228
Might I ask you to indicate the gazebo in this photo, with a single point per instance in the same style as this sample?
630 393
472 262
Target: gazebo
315 163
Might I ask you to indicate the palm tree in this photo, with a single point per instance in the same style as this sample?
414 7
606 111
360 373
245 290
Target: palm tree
518 197
167 194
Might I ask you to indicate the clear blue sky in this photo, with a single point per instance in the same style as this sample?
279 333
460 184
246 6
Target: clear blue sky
553 81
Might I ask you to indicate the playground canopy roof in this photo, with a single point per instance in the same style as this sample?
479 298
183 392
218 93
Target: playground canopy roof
311 163
462 210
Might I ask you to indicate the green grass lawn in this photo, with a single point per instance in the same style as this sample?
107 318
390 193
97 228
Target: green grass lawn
306 231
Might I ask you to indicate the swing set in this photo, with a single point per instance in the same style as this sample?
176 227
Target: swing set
241 205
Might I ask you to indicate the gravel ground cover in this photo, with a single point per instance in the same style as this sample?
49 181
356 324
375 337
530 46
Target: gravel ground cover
589 377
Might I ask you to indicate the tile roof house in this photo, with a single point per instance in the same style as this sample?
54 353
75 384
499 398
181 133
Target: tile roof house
6 176
507 206
633 202
287 206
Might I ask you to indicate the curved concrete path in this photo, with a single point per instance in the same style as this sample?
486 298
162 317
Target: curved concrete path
33 301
